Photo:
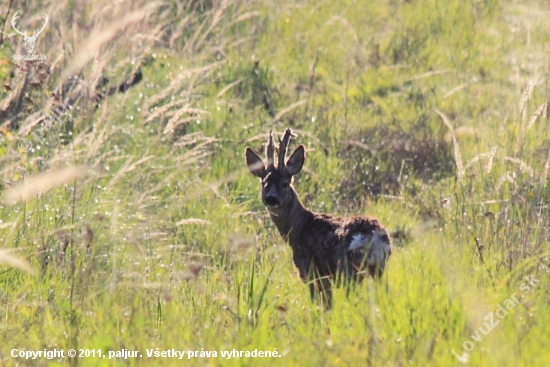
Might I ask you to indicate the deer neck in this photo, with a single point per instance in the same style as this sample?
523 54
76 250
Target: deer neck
292 219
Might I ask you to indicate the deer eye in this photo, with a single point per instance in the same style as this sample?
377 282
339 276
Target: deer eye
284 185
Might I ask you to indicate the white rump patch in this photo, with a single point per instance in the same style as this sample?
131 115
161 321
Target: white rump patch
378 249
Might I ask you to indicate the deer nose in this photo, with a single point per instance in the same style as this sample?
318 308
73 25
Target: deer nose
271 200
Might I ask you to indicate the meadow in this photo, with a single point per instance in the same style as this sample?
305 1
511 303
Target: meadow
130 222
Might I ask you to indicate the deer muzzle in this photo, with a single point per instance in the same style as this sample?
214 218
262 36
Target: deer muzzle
270 198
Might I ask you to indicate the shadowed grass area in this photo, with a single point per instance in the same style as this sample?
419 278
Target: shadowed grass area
132 222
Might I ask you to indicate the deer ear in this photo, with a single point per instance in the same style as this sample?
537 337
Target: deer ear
254 163
296 161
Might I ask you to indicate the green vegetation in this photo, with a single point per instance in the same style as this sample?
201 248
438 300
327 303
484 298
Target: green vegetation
432 116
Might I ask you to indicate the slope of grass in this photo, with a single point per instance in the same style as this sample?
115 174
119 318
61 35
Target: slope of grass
431 116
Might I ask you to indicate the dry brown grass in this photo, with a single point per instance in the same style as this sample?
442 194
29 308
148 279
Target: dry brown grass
9 259
40 184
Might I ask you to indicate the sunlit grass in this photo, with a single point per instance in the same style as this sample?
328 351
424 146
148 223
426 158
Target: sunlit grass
431 116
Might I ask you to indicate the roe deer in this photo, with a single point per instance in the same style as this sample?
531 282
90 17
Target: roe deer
324 248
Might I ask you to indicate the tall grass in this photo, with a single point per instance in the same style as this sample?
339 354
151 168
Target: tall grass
134 223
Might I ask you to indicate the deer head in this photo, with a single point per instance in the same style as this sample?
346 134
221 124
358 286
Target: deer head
29 40
277 194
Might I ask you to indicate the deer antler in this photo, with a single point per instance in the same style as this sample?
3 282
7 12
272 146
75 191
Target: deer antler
283 146
13 19
46 18
270 151
24 34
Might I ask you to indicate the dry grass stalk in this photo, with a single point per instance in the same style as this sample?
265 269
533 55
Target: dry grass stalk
490 160
198 152
262 136
42 183
144 285
192 221
286 110
524 167
100 133
162 110
176 84
161 185
228 87
455 89
348 27
489 156
457 156
505 178
240 41
242 17
428 74
359 145
127 167
6 257
176 120
477 158
312 137
526 97
539 111
31 122
525 126
212 186
7 225
90 47
240 243
216 18
188 159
